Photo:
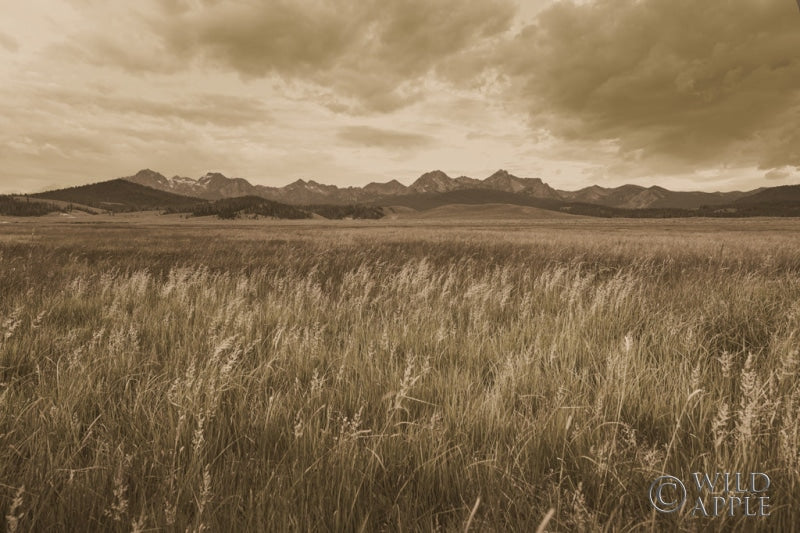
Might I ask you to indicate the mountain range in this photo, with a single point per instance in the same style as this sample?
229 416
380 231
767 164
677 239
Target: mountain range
226 197
215 186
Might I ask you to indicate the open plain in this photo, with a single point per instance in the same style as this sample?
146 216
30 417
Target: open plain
159 373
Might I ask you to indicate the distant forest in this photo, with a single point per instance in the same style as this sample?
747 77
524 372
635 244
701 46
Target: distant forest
255 206
17 207
230 208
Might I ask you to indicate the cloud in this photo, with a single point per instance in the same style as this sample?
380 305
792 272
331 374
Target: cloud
370 54
8 42
777 174
380 138
200 108
645 90
781 174
671 82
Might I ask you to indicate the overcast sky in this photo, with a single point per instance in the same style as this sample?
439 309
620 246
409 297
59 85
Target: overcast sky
687 94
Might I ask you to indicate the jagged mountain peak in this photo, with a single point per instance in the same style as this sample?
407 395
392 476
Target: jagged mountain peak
500 174
468 182
317 185
505 181
208 176
631 187
150 178
435 174
148 173
384 189
434 181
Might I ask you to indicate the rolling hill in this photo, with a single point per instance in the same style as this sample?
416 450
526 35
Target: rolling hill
638 197
15 206
230 208
119 195
785 195
478 212
430 200
255 206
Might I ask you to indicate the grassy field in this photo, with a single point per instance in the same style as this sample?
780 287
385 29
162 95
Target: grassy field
158 374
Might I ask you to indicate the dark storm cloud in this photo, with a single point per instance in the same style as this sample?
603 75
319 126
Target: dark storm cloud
370 53
406 37
696 82
376 137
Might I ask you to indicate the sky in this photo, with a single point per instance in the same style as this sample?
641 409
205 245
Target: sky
684 94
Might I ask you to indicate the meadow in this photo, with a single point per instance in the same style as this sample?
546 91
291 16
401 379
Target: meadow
171 375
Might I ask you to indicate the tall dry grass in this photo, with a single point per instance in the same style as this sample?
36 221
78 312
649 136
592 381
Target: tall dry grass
390 385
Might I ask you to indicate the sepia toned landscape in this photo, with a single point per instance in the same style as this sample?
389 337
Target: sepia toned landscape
417 265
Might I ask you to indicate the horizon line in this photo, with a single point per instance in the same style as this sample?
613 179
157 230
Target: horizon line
414 180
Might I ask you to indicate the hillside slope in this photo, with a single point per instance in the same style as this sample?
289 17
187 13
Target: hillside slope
25 207
430 200
119 195
255 206
478 212
784 195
